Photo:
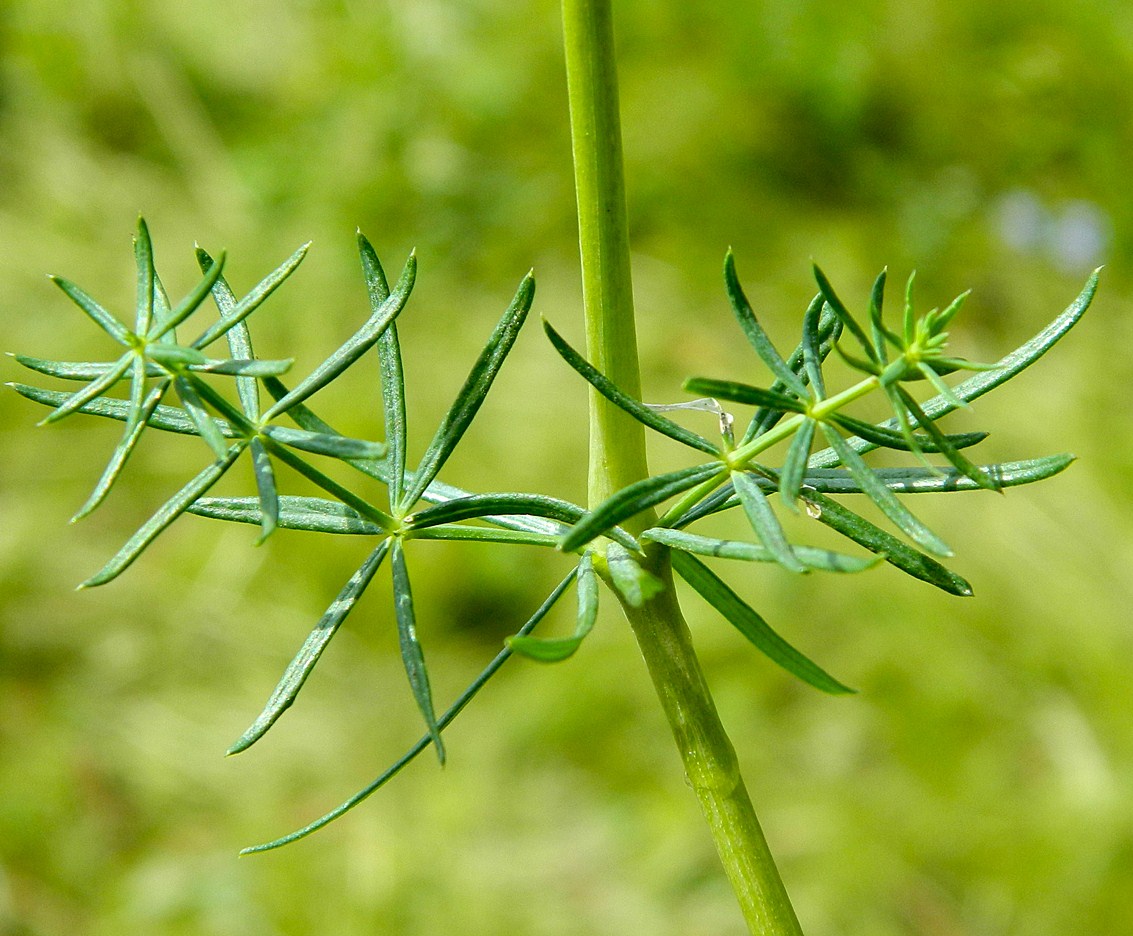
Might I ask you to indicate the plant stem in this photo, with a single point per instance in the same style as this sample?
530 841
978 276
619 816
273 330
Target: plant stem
617 446
617 458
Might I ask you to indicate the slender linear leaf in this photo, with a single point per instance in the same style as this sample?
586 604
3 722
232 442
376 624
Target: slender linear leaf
76 370
472 394
825 560
165 515
232 313
103 319
630 579
876 490
843 313
885 544
443 722
794 467
754 331
320 443
479 506
208 430
887 438
635 498
763 521
392 372
811 345
411 653
143 254
744 393
741 616
552 649
354 347
76 401
446 531
312 514
173 356
638 410
924 481
239 339
951 452
304 661
266 490
436 492
165 418
189 304
244 368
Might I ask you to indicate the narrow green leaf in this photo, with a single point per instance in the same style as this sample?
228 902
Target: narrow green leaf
744 393
754 332
443 722
141 407
881 334
910 315
165 418
243 368
239 339
411 653
143 254
794 466
763 521
875 489
208 430
311 514
319 443
887 438
481 506
554 650
103 319
354 347
630 579
447 531
811 345
825 560
953 454
638 410
741 616
233 312
76 401
165 515
392 373
189 304
460 415
635 498
304 662
843 313
173 356
933 481
74 370
885 544
266 490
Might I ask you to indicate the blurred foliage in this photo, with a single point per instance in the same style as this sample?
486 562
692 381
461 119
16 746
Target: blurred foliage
979 784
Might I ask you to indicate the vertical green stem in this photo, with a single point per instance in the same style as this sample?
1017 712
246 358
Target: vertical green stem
617 458
617 447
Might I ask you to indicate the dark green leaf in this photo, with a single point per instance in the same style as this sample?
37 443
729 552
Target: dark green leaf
639 411
822 559
103 319
243 368
953 454
763 521
843 313
189 304
741 616
411 654
553 650
755 333
481 506
878 541
304 662
630 579
320 443
143 254
357 345
744 393
76 370
875 489
312 514
794 466
472 394
887 438
166 514
922 481
76 401
479 534
166 418
635 498
208 430
443 722
812 348
266 490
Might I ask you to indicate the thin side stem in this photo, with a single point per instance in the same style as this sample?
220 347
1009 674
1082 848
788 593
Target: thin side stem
617 459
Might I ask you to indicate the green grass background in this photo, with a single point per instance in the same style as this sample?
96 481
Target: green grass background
980 783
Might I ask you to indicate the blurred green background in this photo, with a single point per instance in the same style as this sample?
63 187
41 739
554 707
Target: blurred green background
979 783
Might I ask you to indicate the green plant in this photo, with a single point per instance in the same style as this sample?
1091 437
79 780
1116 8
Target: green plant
618 539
